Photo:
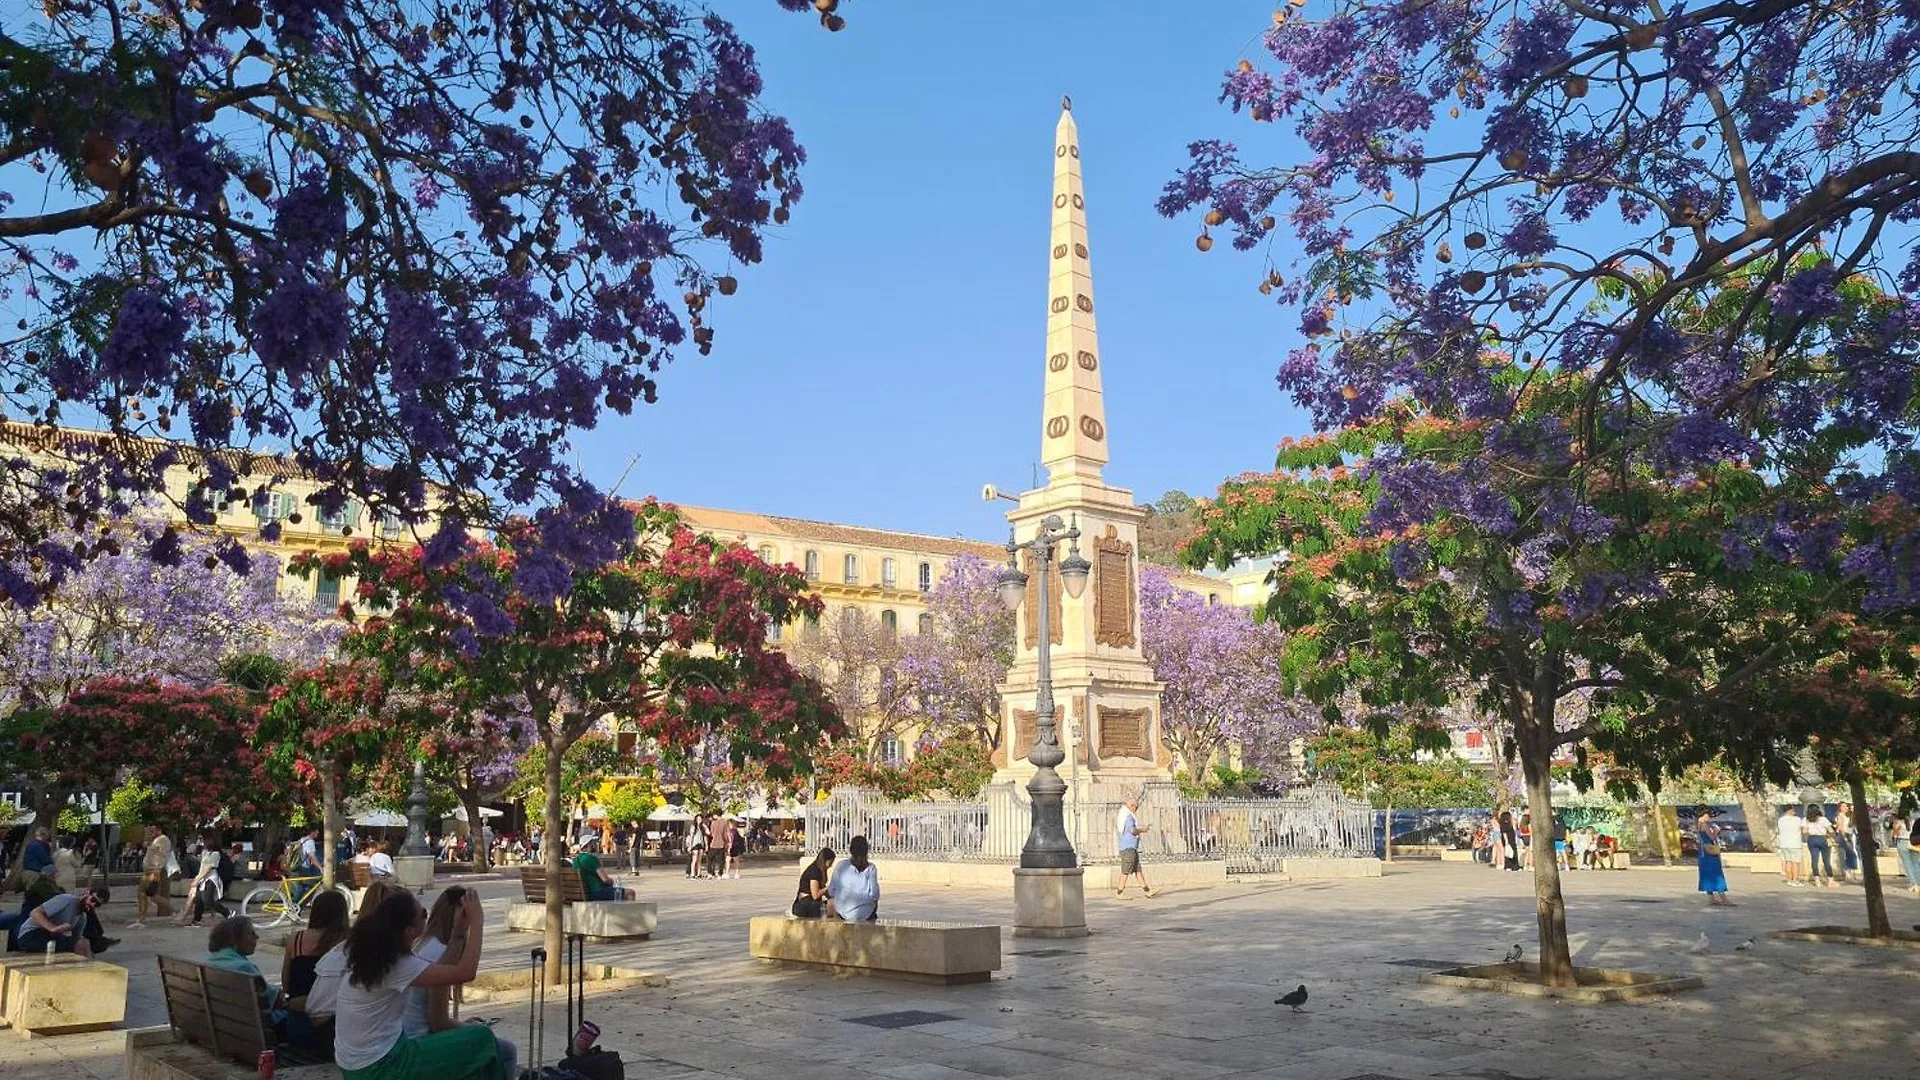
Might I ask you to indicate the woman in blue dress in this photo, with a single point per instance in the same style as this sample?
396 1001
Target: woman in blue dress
1713 876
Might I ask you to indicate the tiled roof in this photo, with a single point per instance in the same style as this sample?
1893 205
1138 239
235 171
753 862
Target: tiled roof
736 521
39 439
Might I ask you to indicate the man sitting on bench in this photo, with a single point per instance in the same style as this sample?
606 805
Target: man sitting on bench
854 892
595 882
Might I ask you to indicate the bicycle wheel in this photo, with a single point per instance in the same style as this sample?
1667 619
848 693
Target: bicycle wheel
266 906
345 894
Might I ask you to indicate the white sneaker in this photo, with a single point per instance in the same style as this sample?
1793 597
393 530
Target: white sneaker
136 925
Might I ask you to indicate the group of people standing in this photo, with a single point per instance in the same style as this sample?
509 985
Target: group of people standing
714 846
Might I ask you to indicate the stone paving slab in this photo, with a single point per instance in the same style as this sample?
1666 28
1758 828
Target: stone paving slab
1137 1001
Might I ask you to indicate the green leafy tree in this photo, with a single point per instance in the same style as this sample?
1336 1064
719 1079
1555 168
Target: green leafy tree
1556 623
130 806
668 633
325 729
1398 765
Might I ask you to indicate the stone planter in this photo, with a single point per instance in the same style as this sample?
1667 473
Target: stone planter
1850 935
1595 984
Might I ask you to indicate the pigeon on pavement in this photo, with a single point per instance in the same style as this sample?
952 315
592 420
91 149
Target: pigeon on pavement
1295 999
1514 954
1744 946
1701 945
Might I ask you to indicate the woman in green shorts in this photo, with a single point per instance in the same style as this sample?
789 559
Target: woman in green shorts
381 967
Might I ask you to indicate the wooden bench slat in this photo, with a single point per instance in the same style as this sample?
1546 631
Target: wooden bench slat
224 1011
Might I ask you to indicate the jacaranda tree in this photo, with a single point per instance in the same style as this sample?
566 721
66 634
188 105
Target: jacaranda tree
671 637
1221 670
955 665
1616 264
1563 626
416 243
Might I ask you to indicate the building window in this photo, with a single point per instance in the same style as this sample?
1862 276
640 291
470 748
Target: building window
1213 599
775 630
273 506
346 517
326 595
889 624
891 752
851 569
813 566
811 628
926 623
627 743
926 577
766 554
887 575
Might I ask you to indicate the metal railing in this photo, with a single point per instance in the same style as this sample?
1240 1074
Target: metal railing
916 830
1249 835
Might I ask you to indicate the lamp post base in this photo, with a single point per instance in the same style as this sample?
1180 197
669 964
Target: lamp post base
413 872
1049 902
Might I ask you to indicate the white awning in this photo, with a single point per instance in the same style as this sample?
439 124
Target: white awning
669 812
486 813
380 819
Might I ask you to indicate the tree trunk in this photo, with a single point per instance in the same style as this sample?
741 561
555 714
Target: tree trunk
1550 908
1877 922
1386 834
1760 814
476 830
550 858
328 793
1658 826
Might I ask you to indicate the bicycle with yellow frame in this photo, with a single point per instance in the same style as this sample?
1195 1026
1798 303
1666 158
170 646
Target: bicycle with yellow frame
275 905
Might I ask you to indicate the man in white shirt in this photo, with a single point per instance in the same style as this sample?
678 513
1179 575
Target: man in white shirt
1127 841
1790 840
379 862
853 893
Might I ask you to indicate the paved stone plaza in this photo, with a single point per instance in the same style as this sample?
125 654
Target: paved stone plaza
1182 987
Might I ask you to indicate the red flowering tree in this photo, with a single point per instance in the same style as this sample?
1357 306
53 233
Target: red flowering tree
201 771
671 634
322 730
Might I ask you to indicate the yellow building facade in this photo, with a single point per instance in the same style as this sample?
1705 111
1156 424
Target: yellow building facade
884 574
277 490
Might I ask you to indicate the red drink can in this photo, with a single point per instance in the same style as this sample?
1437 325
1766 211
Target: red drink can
267 1064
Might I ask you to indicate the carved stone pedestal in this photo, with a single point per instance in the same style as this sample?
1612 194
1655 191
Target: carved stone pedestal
1049 903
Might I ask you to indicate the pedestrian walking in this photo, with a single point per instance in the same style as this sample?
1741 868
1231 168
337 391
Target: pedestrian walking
1789 839
154 871
1129 844
1902 837
1509 842
1713 876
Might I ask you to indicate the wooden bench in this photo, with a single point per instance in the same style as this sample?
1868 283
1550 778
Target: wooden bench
533 883
223 1012
945 953
599 920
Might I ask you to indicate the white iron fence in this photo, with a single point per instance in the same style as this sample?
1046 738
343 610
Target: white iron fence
1249 835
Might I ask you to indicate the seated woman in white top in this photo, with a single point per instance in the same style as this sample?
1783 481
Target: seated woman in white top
431 1009
368 1041
854 892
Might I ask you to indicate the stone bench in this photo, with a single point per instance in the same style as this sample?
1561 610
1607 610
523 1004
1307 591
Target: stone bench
600 920
944 953
59 998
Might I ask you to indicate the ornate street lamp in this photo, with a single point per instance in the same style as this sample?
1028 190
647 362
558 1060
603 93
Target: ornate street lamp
416 842
1047 845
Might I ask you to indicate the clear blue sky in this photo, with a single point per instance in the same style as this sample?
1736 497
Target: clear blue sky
887 358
